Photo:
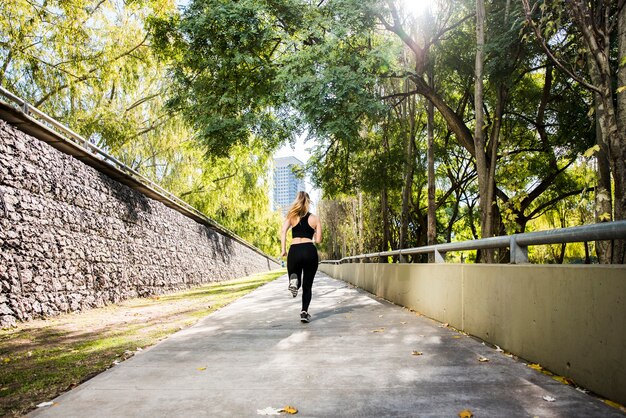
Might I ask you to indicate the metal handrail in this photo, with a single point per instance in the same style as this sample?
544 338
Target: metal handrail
518 243
77 140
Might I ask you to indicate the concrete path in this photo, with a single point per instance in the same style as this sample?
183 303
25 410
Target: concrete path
353 360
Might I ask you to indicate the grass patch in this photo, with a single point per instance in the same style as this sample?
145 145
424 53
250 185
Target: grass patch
41 359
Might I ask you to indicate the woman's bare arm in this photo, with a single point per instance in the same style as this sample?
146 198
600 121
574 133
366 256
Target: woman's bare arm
317 238
283 237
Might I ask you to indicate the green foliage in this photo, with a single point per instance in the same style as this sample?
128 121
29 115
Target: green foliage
198 100
225 71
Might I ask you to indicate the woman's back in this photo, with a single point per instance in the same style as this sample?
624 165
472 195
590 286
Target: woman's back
303 228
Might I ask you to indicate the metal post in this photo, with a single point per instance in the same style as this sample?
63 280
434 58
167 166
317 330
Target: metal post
519 255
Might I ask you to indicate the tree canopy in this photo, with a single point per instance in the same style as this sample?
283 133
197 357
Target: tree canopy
466 119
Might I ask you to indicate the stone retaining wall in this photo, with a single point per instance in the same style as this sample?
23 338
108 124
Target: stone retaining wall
72 238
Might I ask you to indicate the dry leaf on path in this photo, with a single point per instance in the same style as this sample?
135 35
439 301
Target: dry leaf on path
202 369
416 353
41 405
549 398
290 410
466 413
379 330
483 359
499 350
403 322
564 380
444 325
614 405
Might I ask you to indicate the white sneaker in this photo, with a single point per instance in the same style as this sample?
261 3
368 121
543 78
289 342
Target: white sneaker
293 285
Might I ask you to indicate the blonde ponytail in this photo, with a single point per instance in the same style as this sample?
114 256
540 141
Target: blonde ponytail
299 207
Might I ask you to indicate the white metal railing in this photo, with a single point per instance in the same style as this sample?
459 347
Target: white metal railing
518 243
66 134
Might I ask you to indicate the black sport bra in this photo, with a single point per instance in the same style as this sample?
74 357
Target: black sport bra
302 228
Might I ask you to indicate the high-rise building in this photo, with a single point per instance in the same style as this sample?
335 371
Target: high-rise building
286 184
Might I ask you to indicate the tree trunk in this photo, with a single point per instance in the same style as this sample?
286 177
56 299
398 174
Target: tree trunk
360 222
482 165
409 167
611 135
620 175
431 232
384 207
597 39
603 195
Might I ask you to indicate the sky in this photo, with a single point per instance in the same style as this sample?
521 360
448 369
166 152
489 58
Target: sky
300 150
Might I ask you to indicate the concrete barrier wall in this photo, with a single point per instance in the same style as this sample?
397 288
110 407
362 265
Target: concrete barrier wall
571 319
72 238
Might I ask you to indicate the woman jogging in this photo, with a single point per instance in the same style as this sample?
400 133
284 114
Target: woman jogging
302 259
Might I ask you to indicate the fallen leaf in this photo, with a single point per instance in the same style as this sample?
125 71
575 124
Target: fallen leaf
564 380
41 405
380 316
268 411
202 369
403 322
290 410
379 330
499 350
535 366
549 398
416 353
444 325
466 413
116 362
614 405
585 391
483 359
456 337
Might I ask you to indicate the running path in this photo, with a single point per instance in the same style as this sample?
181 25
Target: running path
355 359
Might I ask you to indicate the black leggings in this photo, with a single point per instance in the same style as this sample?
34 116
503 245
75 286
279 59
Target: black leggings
302 258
